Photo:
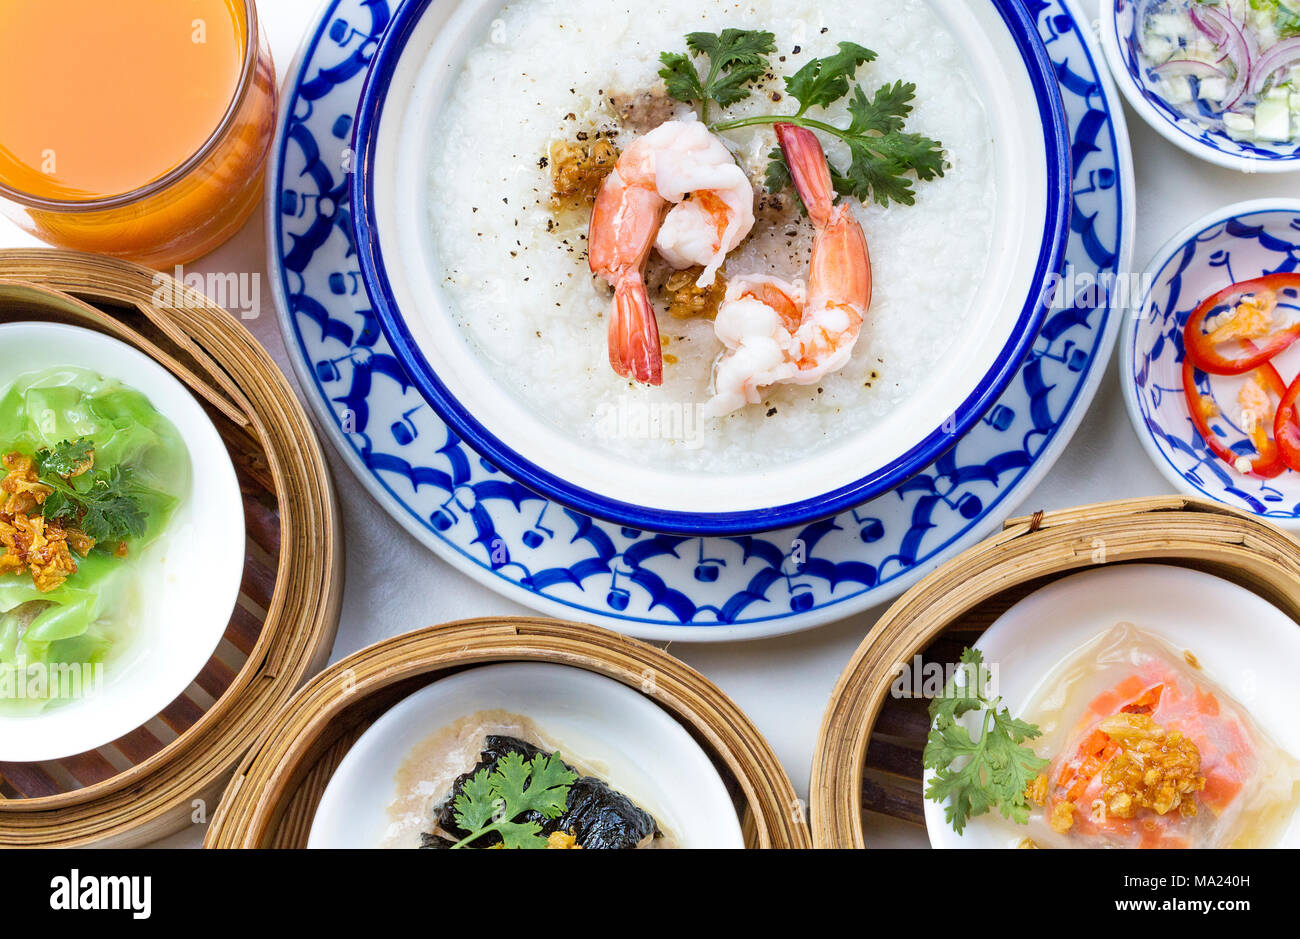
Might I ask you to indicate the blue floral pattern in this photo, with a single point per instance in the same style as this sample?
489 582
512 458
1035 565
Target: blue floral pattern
643 583
1239 247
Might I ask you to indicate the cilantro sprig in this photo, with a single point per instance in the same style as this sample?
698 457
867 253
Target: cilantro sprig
104 504
737 58
975 775
881 154
492 800
69 458
822 82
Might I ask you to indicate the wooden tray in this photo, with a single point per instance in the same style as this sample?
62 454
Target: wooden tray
272 799
868 757
167 773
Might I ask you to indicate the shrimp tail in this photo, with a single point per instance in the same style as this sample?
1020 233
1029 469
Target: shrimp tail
809 170
841 262
634 348
779 333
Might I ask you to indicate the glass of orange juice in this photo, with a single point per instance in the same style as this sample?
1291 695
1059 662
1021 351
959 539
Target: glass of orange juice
133 128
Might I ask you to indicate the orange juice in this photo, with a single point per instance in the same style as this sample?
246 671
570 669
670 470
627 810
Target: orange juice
137 128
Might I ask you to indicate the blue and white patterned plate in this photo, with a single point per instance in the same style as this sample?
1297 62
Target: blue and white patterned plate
1240 242
585 479
642 583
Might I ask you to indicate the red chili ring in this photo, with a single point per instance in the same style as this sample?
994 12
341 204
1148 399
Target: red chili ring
1270 461
1206 356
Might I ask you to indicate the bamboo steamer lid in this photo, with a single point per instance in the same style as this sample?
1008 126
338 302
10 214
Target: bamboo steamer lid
272 799
167 773
868 755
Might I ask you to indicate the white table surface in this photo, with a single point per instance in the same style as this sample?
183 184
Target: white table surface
783 684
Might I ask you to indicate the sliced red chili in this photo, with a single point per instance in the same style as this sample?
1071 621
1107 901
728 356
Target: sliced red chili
1268 461
1286 430
1204 351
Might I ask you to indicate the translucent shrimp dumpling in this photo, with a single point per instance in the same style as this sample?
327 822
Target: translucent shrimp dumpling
1146 752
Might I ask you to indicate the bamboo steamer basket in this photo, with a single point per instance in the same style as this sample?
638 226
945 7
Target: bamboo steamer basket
272 799
868 756
168 773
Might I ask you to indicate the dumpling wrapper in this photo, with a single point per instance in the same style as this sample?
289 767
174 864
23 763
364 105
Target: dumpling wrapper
1252 786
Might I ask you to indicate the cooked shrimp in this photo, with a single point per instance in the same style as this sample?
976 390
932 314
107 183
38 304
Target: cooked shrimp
679 163
756 321
778 332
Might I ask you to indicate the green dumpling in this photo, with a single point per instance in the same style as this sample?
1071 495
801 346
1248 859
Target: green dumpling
76 622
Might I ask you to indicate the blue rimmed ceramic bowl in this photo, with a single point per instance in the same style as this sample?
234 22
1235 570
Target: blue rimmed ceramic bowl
1120 39
1233 244
418 60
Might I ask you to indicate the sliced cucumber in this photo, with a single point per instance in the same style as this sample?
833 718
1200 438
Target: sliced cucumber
1176 89
1240 125
1273 117
1214 89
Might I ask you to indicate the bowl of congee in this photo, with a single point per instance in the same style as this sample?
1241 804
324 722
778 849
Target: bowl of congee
713 268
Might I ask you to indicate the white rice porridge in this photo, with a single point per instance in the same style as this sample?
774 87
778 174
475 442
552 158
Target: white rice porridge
516 274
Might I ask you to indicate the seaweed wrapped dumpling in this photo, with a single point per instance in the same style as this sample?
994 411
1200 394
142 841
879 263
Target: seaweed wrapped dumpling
596 816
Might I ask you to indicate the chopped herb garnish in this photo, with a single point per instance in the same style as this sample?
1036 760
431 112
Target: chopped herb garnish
995 769
737 58
103 504
881 154
69 458
493 799
822 82
1286 18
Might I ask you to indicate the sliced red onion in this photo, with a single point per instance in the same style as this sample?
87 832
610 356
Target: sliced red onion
1176 67
1252 42
1282 55
1210 32
1238 49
